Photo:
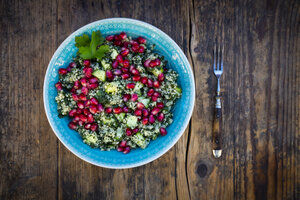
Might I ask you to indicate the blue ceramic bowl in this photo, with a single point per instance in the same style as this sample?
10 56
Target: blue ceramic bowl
182 110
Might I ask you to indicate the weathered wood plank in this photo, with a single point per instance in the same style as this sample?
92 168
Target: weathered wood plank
28 148
260 85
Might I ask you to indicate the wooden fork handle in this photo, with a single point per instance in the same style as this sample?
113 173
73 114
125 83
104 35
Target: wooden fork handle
217 133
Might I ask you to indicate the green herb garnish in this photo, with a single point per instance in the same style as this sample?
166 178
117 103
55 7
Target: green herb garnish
91 48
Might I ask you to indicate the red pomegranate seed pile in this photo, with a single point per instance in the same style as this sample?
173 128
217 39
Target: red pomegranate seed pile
87 107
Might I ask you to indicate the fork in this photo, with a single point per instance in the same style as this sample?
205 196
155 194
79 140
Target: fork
218 70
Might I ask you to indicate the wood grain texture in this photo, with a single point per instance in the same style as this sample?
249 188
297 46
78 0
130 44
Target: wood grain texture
260 90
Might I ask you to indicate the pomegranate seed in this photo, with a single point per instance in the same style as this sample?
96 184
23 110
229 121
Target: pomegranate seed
72 125
126 63
84 90
123 143
118 110
134 97
156 84
150 83
160 105
93 85
150 92
109 38
62 71
76 85
83 82
79 110
130 85
108 110
58 86
144 80
128 131
120 149
124 70
135 130
125 44
72 65
109 74
88 71
133 42
156 94
154 98
87 126
126 97
93 109
134 71
115 64
72 112
117 72
94 101
125 76
83 118
146 63
163 131
80 123
125 109
125 52
93 80
73 90
117 37
100 108
87 103
141 49
75 97
86 111
117 43
155 111
154 63
86 63
76 118
119 58
136 78
123 35
141 40
151 119
145 121
80 104
82 97
68 69
160 117
135 48
140 105
126 150
145 112
94 127
90 118
138 112
161 77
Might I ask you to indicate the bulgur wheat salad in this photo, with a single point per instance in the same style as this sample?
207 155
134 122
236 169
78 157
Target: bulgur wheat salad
117 92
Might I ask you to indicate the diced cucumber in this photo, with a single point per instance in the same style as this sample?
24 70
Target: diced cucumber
100 74
105 65
156 71
131 121
139 140
90 139
178 89
108 120
120 116
119 134
138 86
111 87
113 54
145 101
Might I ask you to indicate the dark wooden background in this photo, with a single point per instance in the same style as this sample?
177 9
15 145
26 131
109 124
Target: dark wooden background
261 99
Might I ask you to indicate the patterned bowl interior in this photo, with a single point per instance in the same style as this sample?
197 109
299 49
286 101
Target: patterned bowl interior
182 110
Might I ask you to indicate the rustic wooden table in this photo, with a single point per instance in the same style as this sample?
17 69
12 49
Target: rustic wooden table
261 99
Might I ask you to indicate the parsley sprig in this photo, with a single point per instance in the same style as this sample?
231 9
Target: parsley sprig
91 48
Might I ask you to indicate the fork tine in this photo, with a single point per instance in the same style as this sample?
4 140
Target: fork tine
219 52
222 55
215 49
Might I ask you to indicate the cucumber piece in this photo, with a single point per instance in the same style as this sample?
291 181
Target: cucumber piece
105 65
145 101
100 74
131 121
178 89
119 134
138 86
157 71
108 121
120 116
111 87
139 140
90 139
113 54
